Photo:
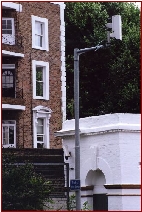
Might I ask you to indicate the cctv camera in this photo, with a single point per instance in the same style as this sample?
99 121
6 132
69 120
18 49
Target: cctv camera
66 152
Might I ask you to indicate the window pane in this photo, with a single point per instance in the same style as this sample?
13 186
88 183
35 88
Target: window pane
39 89
7 32
40 138
39 73
39 81
40 130
40 121
41 41
40 126
11 135
41 29
9 26
7 79
9 22
38 28
11 80
38 40
40 145
3 26
5 135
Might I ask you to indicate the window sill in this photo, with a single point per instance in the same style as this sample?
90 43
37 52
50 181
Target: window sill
8 146
40 48
41 98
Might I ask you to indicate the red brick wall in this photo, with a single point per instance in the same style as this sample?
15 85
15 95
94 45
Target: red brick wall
24 70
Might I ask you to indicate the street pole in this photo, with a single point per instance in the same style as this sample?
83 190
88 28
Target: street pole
77 135
117 33
77 52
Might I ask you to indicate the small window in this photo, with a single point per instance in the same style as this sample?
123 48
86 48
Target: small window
41 116
7 26
8 134
8 80
40 80
40 33
8 33
40 133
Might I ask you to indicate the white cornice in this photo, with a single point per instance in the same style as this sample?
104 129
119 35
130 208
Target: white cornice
9 53
102 130
11 5
42 108
108 123
13 107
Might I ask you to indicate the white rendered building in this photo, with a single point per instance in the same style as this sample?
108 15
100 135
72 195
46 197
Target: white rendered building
109 160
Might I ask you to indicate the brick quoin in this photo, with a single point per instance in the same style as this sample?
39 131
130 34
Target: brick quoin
23 71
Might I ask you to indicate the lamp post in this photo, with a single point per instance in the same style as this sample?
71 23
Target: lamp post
77 52
116 27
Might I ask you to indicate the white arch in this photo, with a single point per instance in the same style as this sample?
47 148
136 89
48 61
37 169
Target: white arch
101 164
85 168
97 179
105 168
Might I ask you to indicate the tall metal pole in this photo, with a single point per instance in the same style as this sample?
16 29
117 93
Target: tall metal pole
77 135
77 52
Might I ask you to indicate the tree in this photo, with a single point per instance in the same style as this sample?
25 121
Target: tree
22 188
109 78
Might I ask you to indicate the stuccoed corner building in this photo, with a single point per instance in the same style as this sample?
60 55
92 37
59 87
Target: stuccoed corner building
33 74
110 155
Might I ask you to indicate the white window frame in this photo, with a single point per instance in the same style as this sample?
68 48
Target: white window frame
44 130
11 37
4 123
44 113
10 66
45 66
45 44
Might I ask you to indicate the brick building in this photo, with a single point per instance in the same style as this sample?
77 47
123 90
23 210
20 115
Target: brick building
33 74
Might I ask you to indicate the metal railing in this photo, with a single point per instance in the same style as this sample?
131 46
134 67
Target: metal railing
12 39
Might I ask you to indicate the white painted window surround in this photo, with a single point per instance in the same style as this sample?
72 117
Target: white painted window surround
8 31
11 5
41 116
45 72
40 32
9 133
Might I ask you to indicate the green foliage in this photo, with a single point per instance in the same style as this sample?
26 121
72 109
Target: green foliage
22 188
109 78
86 206
72 204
